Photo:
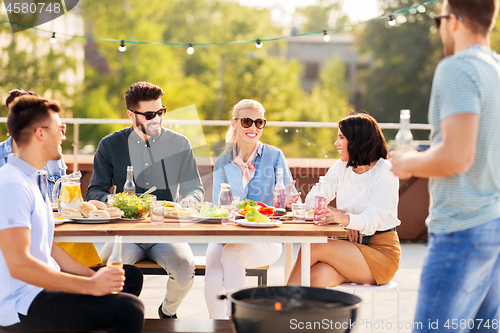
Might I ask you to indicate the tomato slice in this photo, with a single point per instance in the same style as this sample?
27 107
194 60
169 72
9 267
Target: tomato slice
268 211
243 212
261 204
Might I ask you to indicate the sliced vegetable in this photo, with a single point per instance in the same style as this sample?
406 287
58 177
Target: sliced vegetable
255 216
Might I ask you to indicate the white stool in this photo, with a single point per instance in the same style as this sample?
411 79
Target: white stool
390 285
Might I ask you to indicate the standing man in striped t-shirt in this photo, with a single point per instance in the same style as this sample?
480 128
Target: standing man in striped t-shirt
460 282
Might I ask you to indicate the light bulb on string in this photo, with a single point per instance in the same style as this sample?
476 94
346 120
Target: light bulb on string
326 36
258 44
53 39
122 47
392 21
190 49
421 9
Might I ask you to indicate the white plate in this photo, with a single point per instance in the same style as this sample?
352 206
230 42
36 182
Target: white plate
61 220
208 219
246 223
92 220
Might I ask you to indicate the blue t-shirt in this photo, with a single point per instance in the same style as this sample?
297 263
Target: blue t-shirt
468 82
55 169
23 206
261 187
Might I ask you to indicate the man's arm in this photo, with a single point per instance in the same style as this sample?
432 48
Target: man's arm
102 176
454 154
69 264
15 245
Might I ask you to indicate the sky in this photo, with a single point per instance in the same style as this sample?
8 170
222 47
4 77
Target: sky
358 10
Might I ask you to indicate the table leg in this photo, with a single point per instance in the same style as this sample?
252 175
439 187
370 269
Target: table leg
305 274
288 260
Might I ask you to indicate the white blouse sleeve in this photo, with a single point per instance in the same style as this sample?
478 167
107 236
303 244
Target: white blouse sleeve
381 207
331 184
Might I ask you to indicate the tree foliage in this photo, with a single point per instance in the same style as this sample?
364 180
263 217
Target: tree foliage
404 57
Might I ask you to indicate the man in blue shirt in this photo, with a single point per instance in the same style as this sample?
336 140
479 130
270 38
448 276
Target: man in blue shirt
460 281
42 287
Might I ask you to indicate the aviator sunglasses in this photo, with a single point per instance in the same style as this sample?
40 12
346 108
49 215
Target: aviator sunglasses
437 19
151 114
248 122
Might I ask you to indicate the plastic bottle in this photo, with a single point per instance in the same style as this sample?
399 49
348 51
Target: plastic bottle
404 138
129 186
279 190
320 202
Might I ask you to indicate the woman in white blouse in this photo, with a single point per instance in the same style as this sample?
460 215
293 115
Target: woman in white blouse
367 200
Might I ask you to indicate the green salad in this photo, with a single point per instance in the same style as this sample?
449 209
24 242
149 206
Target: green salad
214 211
133 206
246 202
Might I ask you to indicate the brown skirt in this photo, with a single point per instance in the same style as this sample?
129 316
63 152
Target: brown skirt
382 254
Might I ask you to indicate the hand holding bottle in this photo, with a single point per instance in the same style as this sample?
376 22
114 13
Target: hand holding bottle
290 197
106 281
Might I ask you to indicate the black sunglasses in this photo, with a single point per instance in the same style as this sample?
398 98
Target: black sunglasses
151 114
248 122
437 19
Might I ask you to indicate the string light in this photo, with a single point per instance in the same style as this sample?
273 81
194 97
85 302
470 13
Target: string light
53 39
122 47
420 8
392 21
190 49
326 36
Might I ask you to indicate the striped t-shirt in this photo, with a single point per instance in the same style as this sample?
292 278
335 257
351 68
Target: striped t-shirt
468 82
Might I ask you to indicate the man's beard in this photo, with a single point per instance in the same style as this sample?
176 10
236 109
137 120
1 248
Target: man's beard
144 128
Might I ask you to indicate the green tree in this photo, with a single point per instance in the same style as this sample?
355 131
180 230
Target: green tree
404 59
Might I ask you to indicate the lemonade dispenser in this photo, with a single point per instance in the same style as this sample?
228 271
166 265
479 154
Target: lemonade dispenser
71 193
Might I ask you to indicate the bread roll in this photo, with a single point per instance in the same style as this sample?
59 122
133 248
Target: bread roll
98 204
85 208
101 214
71 212
114 211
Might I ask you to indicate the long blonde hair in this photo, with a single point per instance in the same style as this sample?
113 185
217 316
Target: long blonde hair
241 105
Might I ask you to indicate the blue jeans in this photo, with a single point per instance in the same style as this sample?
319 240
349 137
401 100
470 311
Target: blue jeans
460 283
177 260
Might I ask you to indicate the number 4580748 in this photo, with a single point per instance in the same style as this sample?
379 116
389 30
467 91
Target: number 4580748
32 8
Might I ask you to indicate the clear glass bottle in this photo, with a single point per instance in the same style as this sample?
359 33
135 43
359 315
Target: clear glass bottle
115 259
404 138
320 202
129 186
279 190
225 194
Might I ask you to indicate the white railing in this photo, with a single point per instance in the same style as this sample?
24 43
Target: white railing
304 124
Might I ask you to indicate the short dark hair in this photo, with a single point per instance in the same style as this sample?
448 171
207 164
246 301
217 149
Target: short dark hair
16 93
365 140
479 15
141 92
27 112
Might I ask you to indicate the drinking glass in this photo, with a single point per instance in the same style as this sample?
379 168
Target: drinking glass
229 220
156 213
236 202
299 212
111 200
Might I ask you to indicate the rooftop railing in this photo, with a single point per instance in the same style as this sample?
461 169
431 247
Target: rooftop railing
76 122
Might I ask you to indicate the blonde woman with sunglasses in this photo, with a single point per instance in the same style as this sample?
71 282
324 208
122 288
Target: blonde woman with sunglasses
250 167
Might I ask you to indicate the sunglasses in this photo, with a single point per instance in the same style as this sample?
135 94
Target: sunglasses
151 114
61 128
248 122
437 19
